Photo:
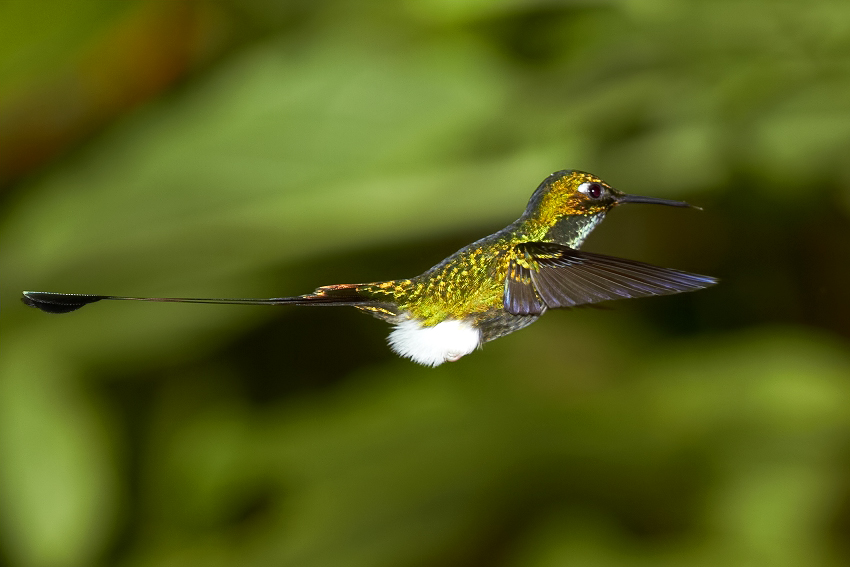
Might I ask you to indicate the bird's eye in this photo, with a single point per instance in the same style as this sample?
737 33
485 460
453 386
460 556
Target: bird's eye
592 190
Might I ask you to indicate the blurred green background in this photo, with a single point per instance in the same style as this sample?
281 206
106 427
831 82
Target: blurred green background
243 148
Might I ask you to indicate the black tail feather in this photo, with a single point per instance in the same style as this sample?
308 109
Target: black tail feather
49 302
58 302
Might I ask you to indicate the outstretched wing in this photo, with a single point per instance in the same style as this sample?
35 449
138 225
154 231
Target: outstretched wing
543 275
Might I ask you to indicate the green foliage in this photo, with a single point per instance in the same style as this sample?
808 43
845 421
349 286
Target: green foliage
328 143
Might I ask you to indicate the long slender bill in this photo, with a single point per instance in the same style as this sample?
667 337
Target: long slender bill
654 201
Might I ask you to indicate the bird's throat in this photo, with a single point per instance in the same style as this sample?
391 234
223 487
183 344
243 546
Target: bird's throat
572 230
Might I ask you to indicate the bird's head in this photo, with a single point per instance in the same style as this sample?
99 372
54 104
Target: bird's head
570 193
567 206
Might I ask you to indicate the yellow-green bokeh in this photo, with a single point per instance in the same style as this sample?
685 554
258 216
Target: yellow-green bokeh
224 149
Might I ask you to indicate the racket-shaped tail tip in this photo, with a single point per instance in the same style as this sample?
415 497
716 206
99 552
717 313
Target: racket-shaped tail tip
58 302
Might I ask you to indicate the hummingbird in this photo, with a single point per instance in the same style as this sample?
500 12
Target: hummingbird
490 288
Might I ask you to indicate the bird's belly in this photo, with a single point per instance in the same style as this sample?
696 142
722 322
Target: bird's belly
498 323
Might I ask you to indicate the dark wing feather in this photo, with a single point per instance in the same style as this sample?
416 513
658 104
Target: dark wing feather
564 277
520 297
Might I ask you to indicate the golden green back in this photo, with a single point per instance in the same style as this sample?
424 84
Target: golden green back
472 281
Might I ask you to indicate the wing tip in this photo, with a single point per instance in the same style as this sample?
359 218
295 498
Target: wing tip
570 278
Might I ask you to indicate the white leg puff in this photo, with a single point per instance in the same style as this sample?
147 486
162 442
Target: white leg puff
448 340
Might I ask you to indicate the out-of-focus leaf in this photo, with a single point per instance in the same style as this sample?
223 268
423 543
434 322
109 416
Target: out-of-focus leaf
57 480
37 38
431 462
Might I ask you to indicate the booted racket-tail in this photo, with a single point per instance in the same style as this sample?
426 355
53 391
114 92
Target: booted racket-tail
490 288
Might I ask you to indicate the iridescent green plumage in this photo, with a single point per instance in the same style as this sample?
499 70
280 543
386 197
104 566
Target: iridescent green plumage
492 287
471 281
470 284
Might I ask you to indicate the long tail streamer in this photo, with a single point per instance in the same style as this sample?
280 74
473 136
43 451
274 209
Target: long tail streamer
50 302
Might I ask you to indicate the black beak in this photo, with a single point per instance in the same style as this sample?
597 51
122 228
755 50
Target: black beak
653 201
